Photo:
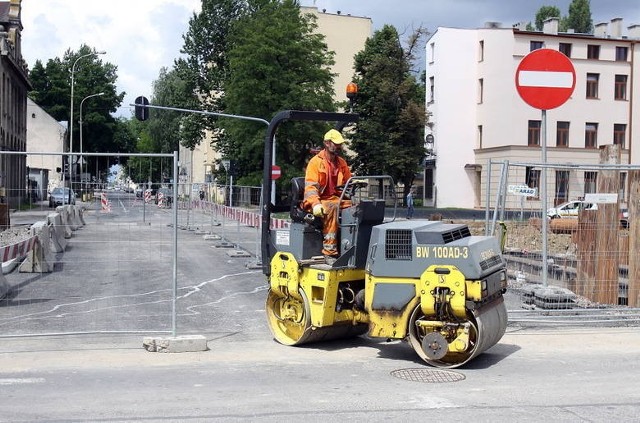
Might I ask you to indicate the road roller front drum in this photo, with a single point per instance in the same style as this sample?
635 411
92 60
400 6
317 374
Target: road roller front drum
431 339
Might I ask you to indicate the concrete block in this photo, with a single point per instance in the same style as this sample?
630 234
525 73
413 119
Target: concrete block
179 344
4 286
238 253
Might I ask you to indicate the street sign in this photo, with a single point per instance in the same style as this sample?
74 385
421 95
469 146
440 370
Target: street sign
545 79
275 172
523 190
226 164
601 198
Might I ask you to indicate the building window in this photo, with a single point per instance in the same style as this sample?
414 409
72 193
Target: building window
592 85
562 186
591 135
621 54
479 136
562 134
432 47
593 52
535 45
590 179
480 90
532 179
481 51
565 48
533 138
432 84
619 134
620 87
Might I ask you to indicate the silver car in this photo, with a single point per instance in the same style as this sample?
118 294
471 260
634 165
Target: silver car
61 196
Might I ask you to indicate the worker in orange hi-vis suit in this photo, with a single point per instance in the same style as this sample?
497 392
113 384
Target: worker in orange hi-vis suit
326 171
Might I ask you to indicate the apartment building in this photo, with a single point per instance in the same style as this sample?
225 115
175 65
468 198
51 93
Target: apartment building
476 114
13 104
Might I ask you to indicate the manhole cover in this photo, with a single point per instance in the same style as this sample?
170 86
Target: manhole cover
428 375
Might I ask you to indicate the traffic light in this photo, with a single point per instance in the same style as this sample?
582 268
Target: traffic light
66 168
142 113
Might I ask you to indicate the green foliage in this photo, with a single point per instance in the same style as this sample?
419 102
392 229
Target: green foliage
52 91
205 66
579 17
544 13
389 137
276 62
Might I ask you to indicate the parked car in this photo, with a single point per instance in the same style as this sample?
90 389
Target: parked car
61 196
570 209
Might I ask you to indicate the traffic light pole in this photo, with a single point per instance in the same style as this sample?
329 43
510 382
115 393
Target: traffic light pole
142 104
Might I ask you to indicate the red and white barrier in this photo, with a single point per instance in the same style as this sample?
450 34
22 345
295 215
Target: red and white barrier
161 202
19 249
147 196
246 217
105 204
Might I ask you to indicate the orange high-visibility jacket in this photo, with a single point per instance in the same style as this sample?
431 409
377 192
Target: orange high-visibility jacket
316 179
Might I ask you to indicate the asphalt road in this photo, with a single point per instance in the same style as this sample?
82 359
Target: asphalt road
71 346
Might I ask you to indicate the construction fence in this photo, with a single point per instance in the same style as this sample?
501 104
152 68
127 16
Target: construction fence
580 256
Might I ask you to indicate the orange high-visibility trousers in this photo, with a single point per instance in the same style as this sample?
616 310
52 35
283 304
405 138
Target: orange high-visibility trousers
330 227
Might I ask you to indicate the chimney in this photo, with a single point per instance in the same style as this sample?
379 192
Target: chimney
520 26
634 31
600 30
492 25
550 26
616 28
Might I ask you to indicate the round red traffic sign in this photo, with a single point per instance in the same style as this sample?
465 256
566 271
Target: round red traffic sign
275 172
545 79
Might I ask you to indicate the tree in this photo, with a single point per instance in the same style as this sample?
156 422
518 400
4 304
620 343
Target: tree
579 18
544 13
276 62
52 90
389 137
162 132
205 67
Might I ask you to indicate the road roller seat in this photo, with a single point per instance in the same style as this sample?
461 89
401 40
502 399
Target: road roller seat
296 212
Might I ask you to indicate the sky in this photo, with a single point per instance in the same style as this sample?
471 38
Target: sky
141 36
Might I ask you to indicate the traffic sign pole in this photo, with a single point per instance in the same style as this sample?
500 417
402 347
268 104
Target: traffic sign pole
545 79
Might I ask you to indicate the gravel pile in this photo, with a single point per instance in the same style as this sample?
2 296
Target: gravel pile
13 235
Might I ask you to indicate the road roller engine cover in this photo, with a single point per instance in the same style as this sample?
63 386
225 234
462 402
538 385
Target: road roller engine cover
430 283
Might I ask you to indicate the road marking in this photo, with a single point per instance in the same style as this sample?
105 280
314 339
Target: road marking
21 381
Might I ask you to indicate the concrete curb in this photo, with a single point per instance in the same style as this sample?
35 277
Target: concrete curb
187 343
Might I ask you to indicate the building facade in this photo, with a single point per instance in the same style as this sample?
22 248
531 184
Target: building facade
44 135
14 86
476 114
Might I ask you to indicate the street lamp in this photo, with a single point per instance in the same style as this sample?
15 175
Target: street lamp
81 157
73 74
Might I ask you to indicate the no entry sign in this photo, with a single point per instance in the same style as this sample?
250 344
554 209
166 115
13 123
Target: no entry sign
275 172
545 79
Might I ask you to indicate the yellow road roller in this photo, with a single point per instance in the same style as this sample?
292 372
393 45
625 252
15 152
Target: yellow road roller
428 282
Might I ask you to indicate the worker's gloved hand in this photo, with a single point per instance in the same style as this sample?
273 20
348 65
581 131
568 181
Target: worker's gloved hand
318 210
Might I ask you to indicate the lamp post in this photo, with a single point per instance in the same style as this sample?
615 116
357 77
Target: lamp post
73 74
81 151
